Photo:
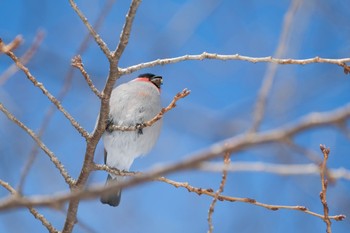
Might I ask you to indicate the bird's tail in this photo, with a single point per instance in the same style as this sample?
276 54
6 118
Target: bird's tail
112 199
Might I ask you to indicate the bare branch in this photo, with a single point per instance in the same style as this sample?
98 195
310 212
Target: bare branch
94 191
288 61
77 63
32 210
11 70
149 123
324 183
51 155
125 34
279 169
92 31
45 91
218 192
5 48
272 67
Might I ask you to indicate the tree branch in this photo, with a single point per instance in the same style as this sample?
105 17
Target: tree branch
324 183
288 61
218 192
51 155
125 34
279 169
77 63
32 210
25 58
55 101
92 31
270 74
55 201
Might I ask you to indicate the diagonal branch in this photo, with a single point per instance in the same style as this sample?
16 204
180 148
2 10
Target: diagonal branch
77 63
32 210
125 34
25 58
53 99
92 192
92 31
51 155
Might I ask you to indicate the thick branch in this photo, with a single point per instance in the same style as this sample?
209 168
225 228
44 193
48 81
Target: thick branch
92 192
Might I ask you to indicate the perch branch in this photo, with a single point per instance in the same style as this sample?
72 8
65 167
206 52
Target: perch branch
160 115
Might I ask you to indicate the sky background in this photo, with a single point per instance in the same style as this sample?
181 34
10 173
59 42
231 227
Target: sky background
219 106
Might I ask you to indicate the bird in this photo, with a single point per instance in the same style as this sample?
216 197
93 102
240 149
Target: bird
131 104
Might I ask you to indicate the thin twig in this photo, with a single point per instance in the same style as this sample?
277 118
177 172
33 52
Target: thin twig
324 183
32 210
218 192
278 169
270 74
53 99
77 63
125 34
25 58
92 31
51 155
288 61
14 44
149 123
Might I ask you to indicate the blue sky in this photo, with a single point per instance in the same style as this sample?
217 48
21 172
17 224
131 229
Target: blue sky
220 106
